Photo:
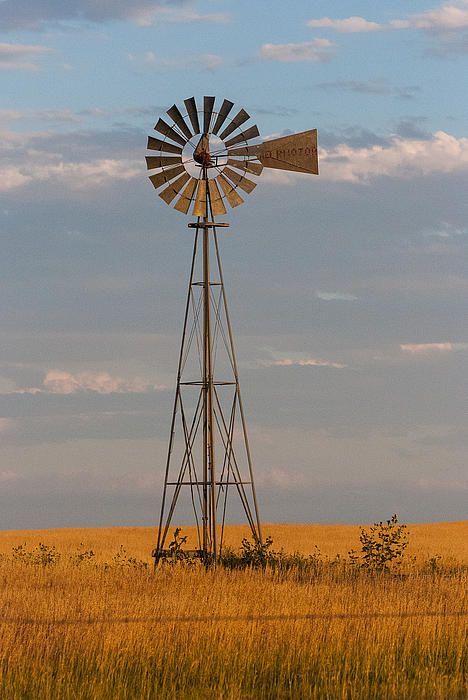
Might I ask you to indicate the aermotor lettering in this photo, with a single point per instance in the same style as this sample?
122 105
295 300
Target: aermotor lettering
287 153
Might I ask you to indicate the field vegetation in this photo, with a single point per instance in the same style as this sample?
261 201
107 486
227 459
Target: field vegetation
83 615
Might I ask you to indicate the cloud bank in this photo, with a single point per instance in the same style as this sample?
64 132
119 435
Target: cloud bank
75 163
307 362
65 383
316 51
446 18
36 15
428 348
21 56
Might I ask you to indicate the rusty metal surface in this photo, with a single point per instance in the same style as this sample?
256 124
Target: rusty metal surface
208 104
199 208
235 123
166 175
239 180
164 146
216 200
250 133
186 197
222 115
202 154
191 107
248 165
232 196
174 188
243 151
297 153
176 117
167 130
161 161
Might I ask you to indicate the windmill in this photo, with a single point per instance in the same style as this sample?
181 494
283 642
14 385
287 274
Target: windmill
205 159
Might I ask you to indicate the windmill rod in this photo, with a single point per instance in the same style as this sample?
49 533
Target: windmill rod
209 472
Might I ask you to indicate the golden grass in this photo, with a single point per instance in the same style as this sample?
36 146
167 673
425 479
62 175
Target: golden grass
92 631
447 539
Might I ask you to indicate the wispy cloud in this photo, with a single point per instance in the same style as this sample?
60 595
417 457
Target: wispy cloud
8 475
315 51
347 25
335 296
304 362
447 17
6 426
442 153
60 382
177 15
396 157
427 348
153 61
36 15
447 24
372 87
446 231
21 56
74 176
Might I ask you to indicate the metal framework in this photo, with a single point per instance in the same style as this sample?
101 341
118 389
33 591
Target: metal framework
210 414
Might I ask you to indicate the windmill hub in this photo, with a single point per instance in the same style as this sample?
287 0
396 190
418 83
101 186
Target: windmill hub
209 153
201 154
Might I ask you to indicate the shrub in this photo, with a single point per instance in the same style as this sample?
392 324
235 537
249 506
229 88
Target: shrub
382 545
42 555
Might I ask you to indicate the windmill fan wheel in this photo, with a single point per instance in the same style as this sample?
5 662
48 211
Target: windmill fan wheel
204 156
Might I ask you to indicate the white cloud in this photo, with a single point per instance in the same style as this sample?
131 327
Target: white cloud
210 61
446 231
31 159
399 158
153 61
315 51
146 16
6 426
21 56
37 14
443 153
307 362
426 348
60 382
8 475
75 176
446 18
348 25
372 87
335 296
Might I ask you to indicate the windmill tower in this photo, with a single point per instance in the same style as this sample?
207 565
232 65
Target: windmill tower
202 164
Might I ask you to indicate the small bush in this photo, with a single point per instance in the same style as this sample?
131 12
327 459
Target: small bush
122 560
383 545
42 555
82 556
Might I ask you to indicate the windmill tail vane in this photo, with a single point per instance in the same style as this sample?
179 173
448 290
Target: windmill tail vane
205 159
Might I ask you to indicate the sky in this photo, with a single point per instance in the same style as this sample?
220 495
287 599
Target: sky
348 291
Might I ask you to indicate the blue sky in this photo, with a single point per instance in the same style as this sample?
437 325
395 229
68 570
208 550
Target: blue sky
348 291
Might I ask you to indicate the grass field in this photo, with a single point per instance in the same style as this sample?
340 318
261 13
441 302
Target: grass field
111 628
